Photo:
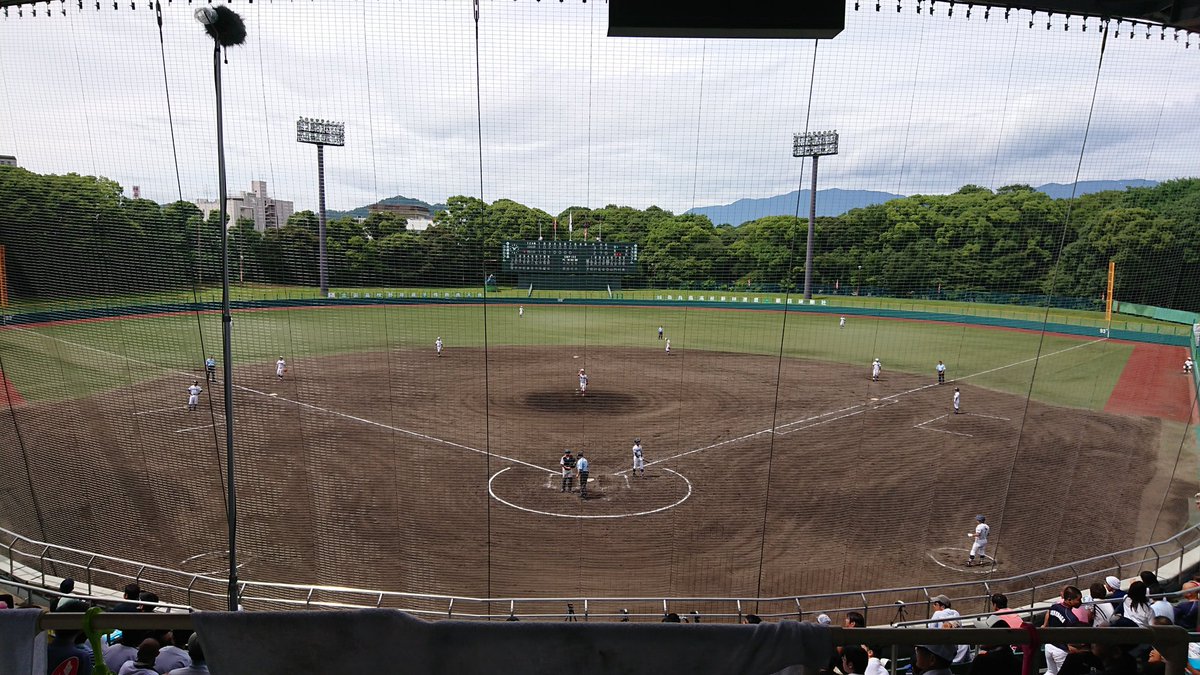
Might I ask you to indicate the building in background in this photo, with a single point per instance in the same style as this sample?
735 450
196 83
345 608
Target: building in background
256 205
8 160
418 216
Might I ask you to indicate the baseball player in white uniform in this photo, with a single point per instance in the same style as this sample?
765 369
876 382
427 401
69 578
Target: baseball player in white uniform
957 400
194 394
1188 365
437 344
668 346
842 322
876 368
280 368
520 311
639 462
583 380
980 535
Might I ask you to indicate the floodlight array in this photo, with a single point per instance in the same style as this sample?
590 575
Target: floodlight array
320 132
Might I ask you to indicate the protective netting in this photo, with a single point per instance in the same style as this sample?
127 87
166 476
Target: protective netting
521 201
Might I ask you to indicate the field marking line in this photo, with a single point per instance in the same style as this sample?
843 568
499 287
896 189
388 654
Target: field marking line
492 493
206 426
892 398
916 426
160 410
946 431
990 417
302 404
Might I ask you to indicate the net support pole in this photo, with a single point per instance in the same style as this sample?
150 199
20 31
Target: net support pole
1108 300
3 280
323 263
226 347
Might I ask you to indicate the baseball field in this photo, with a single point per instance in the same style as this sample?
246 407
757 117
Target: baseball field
775 465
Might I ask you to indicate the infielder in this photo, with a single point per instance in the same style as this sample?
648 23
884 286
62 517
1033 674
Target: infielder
581 465
567 462
1188 365
437 344
876 368
583 379
842 322
194 394
668 346
957 399
639 462
280 368
941 372
210 369
980 535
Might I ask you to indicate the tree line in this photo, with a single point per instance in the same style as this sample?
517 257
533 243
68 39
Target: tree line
68 235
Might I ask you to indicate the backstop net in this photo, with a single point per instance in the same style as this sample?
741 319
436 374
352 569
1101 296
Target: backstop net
471 252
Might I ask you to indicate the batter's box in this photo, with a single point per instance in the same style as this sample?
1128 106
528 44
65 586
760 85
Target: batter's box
964 424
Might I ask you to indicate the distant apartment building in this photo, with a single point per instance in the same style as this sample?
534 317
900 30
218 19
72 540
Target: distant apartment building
8 160
255 205
418 216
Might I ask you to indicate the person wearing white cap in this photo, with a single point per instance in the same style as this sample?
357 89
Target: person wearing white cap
1115 594
934 659
824 619
942 612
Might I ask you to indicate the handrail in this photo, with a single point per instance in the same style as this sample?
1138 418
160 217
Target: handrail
190 585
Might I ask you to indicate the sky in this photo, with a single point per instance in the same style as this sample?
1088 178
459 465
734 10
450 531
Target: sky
543 108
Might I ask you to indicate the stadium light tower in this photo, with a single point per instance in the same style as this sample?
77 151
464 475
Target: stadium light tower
321 133
813 144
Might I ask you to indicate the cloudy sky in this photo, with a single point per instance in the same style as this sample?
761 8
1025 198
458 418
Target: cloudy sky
570 116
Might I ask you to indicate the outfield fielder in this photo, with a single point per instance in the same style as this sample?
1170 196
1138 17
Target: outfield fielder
280 368
194 394
639 462
1188 365
583 378
980 535
876 367
520 311
842 322
437 344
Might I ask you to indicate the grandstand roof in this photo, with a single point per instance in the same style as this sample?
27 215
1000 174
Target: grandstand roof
1181 14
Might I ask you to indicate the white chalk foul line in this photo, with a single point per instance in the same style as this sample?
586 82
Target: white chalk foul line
582 516
915 426
892 398
298 403
945 431
206 426
990 417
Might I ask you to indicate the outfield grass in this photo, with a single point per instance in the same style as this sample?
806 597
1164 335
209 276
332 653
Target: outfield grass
65 361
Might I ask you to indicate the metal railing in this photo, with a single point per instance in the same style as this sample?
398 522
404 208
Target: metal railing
44 564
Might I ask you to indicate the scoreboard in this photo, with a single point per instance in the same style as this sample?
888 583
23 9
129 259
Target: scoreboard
606 259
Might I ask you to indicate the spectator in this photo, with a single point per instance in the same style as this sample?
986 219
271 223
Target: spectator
1000 613
854 660
1101 612
1116 660
143 663
65 588
875 665
855 620
63 654
996 659
942 611
672 618
1185 611
824 619
1061 615
1136 606
170 657
123 650
934 659
752 618
1115 593
132 592
147 596
196 652
1161 606
1080 661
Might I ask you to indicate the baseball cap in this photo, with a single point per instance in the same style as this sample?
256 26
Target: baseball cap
980 518
824 619
567 451
946 652
941 600
1113 582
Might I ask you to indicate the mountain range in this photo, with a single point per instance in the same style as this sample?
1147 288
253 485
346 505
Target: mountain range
831 202
835 201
